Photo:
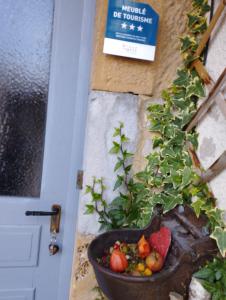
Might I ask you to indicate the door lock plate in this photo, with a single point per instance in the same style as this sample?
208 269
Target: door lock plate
55 219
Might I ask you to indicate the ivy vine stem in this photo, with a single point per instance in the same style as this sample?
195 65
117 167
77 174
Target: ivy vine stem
125 168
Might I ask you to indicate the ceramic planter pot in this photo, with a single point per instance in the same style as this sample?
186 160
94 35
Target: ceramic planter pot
191 247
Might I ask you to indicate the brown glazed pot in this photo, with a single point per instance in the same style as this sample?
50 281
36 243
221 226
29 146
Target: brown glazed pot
191 247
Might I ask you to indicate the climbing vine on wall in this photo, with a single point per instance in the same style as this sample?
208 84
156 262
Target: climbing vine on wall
169 178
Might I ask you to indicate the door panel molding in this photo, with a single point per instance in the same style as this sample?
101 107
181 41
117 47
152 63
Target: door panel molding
19 246
23 294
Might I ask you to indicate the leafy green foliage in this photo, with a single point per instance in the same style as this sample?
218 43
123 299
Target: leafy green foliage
213 278
169 178
131 208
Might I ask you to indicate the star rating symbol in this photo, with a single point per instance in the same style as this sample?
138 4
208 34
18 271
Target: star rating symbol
124 25
140 28
131 27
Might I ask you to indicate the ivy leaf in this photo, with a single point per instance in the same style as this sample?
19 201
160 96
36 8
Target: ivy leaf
169 151
196 88
118 165
201 26
115 149
176 178
96 196
197 206
187 43
156 126
170 202
205 8
120 201
118 182
179 99
215 217
126 154
186 176
128 168
117 132
89 209
183 78
88 189
157 141
124 139
219 235
193 19
143 176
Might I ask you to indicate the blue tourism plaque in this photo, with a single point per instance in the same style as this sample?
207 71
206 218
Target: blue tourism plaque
131 30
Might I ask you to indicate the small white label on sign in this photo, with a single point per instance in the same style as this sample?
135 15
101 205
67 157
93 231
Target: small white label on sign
128 49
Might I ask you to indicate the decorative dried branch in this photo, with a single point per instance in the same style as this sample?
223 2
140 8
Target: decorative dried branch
217 167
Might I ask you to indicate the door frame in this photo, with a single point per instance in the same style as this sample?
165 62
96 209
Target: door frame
78 54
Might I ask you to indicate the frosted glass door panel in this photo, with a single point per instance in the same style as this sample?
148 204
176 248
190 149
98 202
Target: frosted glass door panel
25 50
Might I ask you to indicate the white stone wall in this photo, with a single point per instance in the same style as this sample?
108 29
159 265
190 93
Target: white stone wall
212 129
105 112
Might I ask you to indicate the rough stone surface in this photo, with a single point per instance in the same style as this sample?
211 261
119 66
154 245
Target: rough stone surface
106 110
197 292
175 296
83 279
119 74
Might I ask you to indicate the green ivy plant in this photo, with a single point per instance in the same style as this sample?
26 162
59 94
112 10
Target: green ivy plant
213 278
169 178
127 209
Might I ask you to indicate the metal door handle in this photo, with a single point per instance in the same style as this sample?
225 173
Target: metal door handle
42 213
55 215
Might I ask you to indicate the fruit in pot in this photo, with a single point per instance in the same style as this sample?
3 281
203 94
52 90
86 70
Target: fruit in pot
143 247
154 261
118 261
161 241
140 267
147 272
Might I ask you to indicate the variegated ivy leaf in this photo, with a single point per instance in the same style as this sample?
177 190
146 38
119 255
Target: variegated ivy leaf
193 19
197 206
215 217
195 88
157 141
183 78
188 42
219 235
187 176
170 201
200 27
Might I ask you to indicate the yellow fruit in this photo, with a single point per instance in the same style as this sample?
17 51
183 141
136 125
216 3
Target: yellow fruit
140 267
147 272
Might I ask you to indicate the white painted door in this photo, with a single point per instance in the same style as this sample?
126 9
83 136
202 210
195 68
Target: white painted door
27 271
